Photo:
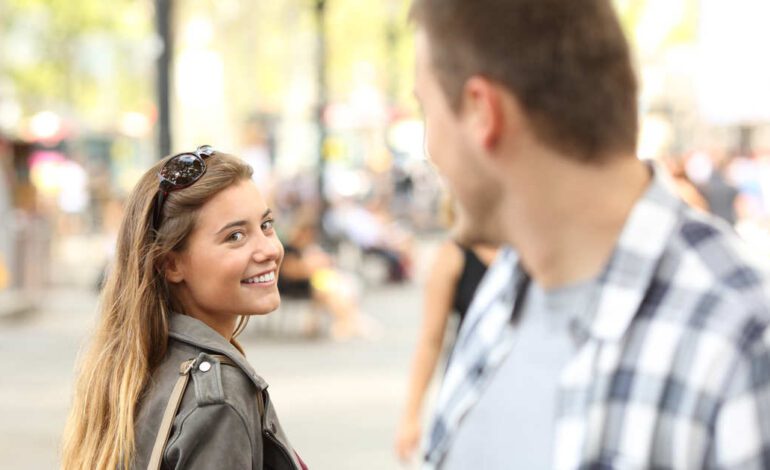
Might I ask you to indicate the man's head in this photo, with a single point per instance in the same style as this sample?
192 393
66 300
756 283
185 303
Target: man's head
562 66
566 61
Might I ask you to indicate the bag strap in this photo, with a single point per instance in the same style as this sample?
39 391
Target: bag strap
156 458
261 407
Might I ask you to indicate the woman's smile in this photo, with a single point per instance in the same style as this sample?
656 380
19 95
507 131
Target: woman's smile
266 279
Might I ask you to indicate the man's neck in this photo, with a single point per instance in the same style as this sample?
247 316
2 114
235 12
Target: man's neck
567 216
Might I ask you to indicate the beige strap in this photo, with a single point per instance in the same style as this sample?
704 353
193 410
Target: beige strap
261 405
172 407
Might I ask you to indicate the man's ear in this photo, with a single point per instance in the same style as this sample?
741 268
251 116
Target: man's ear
172 268
483 110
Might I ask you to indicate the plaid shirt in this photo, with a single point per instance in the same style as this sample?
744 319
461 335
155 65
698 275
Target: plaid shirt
675 370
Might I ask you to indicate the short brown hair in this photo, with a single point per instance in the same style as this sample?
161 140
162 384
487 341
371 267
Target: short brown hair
566 61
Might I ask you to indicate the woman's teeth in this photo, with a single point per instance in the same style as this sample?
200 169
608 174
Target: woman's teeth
260 279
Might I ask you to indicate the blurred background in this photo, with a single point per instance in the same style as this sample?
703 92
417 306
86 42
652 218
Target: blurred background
317 96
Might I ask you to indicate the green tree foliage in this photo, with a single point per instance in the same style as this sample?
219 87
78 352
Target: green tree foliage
268 46
84 58
683 31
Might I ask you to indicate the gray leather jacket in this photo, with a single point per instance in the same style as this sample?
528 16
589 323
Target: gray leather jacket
218 424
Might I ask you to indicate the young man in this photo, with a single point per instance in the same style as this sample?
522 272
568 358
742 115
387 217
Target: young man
621 329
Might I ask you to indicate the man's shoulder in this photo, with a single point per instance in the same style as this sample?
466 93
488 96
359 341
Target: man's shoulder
708 281
705 245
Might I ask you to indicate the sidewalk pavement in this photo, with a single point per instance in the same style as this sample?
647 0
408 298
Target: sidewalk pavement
14 303
339 402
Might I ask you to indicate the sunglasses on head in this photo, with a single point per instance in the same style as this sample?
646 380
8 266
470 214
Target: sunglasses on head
179 172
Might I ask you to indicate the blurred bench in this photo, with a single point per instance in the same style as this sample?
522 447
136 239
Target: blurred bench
296 318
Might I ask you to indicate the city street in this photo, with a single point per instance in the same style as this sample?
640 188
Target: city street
339 402
128 128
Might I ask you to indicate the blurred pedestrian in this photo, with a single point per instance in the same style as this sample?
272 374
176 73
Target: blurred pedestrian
455 274
196 255
256 152
451 283
683 185
620 328
719 192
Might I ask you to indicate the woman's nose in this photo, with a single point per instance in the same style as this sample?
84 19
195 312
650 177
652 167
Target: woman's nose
267 249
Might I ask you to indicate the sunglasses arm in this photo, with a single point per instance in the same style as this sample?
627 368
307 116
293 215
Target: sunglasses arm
157 208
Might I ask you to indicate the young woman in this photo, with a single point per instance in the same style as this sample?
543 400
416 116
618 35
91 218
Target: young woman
196 255
451 283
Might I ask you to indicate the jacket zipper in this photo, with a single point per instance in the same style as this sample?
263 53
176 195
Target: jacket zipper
278 443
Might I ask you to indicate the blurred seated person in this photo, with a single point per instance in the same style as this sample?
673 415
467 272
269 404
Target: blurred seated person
308 272
373 230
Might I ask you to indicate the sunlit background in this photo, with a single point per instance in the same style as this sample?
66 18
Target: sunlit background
317 96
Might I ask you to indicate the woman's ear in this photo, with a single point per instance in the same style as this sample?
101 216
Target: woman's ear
172 268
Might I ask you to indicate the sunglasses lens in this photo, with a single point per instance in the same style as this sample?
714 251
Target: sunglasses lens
183 170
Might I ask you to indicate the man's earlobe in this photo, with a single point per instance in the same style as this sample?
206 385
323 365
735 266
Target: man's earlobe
172 269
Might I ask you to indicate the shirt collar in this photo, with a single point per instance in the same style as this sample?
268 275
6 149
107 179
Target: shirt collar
193 331
632 265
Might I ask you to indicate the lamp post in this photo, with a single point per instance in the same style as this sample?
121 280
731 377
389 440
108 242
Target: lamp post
391 42
745 140
163 15
321 100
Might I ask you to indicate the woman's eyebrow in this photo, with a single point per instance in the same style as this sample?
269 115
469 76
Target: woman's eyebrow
237 223
242 223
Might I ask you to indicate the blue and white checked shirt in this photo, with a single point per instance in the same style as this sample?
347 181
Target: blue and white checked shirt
675 372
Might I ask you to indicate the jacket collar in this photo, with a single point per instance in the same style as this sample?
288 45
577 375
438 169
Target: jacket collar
632 266
196 333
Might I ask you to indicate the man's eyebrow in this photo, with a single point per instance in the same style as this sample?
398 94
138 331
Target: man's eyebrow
267 212
236 223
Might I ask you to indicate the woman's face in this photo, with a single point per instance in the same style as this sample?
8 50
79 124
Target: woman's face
230 264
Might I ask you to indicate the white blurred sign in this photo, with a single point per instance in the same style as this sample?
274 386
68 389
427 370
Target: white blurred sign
733 74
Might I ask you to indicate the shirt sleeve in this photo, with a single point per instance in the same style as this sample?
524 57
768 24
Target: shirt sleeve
212 436
742 425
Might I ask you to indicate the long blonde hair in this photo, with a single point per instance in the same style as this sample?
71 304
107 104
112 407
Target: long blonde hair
131 335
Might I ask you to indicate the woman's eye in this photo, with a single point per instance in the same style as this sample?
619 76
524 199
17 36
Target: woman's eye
236 236
267 225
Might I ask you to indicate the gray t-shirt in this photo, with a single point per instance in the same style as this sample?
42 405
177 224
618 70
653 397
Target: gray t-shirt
512 424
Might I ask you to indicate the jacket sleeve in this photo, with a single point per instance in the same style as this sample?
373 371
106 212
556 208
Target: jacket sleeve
212 436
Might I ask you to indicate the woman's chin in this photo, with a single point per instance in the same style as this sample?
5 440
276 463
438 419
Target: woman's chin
265 308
